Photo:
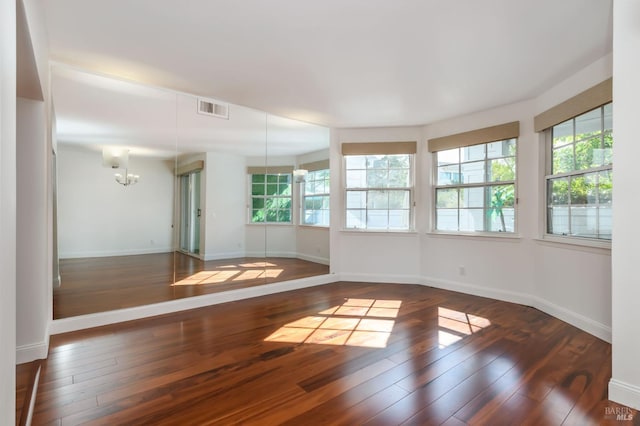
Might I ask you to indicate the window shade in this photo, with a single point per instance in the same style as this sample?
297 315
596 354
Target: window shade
316 165
592 98
269 170
476 137
380 148
189 168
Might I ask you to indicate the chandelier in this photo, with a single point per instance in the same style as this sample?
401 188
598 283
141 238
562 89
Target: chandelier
127 178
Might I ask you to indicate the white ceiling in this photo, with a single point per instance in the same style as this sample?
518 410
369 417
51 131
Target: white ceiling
101 112
336 62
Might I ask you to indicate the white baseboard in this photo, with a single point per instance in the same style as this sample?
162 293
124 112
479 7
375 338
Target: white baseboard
221 256
595 328
315 259
32 352
624 393
111 253
112 317
380 278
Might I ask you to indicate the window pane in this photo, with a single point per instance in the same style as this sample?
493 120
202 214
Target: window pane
257 203
562 133
398 219
356 219
448 175
605 186
272 178
447 198
377 219
579 190
447 219
473 172
398 178
257 178
284 215
563 159
377 178
607 155
378 200
399 161
356 161
473 153
608 117
584 221
585 153
356 199
257 215
501 149
272 188
377 162
588 124
502 169
399 199
356 178
472 197
257 189
450 156
558 191
558 220
604 222
472 220
502 221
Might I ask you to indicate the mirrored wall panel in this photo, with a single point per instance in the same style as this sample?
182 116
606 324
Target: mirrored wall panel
164 195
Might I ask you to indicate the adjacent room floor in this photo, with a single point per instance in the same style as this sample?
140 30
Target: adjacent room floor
99 284
341 353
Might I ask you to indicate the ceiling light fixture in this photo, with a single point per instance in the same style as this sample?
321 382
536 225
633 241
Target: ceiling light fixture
127 179
300 174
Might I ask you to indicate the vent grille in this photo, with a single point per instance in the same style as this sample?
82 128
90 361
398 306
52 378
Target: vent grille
213 108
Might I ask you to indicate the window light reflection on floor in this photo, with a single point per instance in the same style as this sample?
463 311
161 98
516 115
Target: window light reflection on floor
453 326
357 322
228 275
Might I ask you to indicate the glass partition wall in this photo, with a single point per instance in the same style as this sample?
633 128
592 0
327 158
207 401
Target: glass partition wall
156 199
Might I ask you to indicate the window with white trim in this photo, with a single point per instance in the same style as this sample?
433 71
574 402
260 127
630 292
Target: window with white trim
379 191
315 198
270 197
475 187
579 175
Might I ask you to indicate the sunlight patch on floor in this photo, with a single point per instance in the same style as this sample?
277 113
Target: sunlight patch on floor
357 322
227 275
454 326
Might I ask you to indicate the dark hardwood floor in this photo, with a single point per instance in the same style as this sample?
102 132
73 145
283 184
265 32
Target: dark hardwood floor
342 353
102 284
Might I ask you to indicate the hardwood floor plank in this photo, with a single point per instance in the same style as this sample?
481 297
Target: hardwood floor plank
443 358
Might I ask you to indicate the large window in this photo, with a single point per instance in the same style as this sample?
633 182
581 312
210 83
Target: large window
475 188
315 198
379 191
271 197
579 181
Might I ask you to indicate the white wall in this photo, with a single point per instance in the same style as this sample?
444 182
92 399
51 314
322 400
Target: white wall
625 383
570 282
99 217
225 209
367 256
7 210
31 227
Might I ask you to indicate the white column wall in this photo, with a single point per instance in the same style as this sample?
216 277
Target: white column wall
624 386
7 211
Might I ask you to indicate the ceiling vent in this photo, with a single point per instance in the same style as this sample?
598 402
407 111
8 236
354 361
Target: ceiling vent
213 108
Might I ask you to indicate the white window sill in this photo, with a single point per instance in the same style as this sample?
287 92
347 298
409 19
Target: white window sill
378 232
269 224
326 228
495 236
575 243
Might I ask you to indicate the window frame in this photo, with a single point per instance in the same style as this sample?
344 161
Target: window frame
570 238
303 197
411 189
485 185
251 197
